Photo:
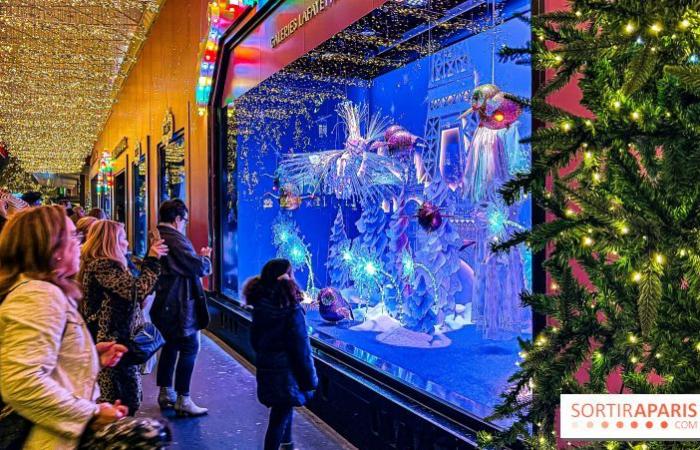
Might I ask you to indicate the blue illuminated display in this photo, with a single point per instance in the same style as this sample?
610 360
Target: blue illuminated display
381 188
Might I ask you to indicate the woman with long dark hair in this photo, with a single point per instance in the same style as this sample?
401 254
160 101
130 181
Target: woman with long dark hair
286 375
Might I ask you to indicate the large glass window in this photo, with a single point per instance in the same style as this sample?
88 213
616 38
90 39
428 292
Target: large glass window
120 197
172 167
140 207
229 213
94 198
373 164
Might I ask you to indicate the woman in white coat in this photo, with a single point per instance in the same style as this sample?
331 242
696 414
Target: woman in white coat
48 361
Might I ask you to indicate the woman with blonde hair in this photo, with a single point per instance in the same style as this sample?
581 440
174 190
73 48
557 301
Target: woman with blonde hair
83 225
113 301
48 361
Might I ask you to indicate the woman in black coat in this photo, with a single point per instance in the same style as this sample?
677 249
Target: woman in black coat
286 374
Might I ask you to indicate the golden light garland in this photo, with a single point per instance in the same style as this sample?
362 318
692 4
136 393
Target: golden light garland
64 62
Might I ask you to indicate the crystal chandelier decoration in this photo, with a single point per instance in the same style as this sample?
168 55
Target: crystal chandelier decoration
64 62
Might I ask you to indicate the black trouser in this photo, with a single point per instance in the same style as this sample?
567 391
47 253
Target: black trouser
279 429
187 347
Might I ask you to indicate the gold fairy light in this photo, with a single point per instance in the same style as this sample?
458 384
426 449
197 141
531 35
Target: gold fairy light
64 62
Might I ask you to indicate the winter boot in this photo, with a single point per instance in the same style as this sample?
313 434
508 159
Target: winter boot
186 407
167 397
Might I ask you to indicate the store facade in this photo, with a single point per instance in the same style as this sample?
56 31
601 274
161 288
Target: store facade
365 141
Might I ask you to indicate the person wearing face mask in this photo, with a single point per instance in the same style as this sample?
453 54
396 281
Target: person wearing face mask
179 309
48 361
113 301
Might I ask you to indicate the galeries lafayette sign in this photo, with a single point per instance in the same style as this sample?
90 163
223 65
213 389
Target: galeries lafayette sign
302 19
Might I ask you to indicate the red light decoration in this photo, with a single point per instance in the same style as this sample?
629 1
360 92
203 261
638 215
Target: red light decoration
222 14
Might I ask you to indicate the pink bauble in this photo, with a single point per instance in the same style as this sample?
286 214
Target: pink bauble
429 217
500 112
402 140
482 94
391 130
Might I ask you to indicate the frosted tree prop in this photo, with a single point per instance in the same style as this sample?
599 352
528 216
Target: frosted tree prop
399 257
338 254
291 245
438 252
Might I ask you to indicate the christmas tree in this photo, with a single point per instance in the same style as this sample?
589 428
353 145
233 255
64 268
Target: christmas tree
626 213
15 179
338 254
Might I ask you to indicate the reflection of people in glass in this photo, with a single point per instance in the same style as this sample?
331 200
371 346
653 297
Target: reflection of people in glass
286 374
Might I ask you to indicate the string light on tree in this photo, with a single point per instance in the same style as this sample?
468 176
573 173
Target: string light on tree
637 66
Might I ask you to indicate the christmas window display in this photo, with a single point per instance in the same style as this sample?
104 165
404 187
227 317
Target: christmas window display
378 177
140 218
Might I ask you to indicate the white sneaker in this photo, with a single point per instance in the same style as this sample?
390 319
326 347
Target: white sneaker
186 407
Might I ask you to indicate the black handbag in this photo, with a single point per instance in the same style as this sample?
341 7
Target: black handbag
145 340
14 429
133 433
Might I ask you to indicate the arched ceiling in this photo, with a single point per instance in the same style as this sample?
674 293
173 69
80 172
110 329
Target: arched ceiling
62 63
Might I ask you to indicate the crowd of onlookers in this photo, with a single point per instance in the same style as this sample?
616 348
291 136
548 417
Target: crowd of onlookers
71 312
75 336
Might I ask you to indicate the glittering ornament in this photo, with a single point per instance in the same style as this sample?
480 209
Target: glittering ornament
429 217
391 131
289 199
483 94
402 140
332 306
500 112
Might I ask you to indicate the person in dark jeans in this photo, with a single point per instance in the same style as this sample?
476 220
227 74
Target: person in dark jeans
286 375
179 309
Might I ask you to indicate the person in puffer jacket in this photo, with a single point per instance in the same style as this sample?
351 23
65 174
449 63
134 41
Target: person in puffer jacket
286 376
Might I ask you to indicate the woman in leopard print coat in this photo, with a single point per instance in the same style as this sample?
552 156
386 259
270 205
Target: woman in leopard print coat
112 302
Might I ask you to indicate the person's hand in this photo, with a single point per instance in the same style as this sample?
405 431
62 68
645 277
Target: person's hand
205 251
110 353
122 408
158 249
3 208
108 413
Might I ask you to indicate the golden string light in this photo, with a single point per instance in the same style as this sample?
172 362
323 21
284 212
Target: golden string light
64 62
